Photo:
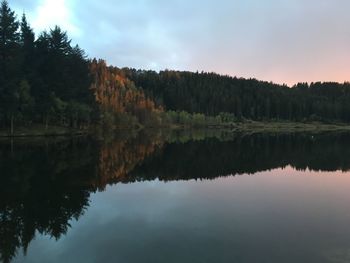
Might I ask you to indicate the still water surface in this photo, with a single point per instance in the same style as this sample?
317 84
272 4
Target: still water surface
176 198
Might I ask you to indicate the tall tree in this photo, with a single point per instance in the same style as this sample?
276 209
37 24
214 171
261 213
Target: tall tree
27 35
8 27
59 42
27 38
9 61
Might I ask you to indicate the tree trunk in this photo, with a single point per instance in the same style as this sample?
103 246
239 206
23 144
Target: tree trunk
11 146
12 128
47 122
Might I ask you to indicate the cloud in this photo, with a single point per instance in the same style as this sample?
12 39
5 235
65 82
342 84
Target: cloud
46 14
278 40
54 12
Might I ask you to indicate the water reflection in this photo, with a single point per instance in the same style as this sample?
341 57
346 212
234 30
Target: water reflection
46 183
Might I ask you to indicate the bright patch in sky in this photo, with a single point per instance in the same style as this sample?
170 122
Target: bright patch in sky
54 12
285 41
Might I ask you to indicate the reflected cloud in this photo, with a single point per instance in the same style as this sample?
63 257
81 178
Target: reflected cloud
55 184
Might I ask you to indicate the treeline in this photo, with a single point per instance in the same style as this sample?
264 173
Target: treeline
46 80
42 80
124 103
240 154
120 102
212 94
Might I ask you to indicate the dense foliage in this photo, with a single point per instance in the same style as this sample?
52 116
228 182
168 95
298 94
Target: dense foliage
49 81
212 94
42 79
120 101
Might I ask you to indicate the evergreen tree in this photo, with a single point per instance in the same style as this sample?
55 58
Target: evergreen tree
9 62
27 39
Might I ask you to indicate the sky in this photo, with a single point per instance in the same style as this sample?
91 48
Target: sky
284 41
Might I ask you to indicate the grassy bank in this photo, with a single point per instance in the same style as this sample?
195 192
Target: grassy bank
283 127
271 126
41 130
246 126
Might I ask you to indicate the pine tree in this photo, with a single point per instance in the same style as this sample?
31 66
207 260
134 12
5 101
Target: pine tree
27 38
9 61
27 35
8 27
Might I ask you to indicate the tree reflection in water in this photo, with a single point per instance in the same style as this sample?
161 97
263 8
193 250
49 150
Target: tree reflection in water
45 183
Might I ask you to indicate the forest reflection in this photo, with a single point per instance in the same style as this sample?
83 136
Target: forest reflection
44 183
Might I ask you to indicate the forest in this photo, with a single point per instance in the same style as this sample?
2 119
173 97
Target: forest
45 80
42 80
212 94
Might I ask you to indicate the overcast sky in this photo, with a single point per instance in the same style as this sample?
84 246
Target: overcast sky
284 41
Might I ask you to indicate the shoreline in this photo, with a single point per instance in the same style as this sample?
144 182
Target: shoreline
247 127
285 127
41 131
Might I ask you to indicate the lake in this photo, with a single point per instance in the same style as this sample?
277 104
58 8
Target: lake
161 196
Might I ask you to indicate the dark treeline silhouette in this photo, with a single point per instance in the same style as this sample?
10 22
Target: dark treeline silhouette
47 80
54 182
56 177
44 79
44 192
212 94
211 158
